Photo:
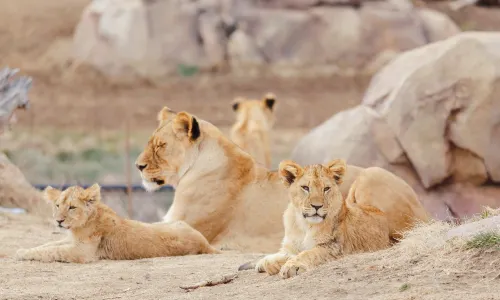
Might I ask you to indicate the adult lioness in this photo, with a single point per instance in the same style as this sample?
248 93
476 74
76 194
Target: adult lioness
97 232
254 120
233 201
320 225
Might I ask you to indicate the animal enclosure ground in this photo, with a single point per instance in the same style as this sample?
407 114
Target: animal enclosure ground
423 267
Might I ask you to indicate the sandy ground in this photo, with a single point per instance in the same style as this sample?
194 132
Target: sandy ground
421 267
35 36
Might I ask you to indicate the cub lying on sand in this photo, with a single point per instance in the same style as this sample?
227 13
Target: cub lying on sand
320 225
97 232
254 120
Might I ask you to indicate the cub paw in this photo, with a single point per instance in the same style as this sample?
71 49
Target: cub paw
291 269
271 264
21 254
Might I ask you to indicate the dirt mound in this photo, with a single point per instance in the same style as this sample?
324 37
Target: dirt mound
423 266
17 192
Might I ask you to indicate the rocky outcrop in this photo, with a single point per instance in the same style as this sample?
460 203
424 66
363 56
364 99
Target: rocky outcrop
158 38
16 191
432 116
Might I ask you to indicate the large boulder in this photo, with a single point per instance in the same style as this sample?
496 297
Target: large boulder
432 116
157 38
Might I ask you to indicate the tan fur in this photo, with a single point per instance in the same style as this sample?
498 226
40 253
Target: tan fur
254 120
97 232
320 226
238 204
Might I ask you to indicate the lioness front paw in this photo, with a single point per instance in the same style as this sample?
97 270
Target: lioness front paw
271 264
292 268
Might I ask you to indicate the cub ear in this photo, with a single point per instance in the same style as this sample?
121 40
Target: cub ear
337 167
93 194
236 103
165 114
51 194
269 100
289 171
186 124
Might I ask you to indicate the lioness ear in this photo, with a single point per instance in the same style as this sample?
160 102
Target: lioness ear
186 124
236 103
289 171
269 100
51 194
337 167
165 114
93 194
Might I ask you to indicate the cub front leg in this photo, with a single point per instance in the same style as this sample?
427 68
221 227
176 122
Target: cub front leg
81 253
65 241
271 264
307 260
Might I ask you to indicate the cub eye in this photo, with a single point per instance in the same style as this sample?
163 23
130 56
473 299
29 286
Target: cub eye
57 205
72 207
305 188
326 189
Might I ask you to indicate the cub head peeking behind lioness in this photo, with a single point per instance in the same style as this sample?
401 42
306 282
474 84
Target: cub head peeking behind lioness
320 225
237 203
251 131
97 232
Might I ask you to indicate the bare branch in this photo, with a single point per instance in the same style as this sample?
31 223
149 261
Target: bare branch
221 280
13 95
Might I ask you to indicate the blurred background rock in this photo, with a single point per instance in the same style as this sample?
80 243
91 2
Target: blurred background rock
102 66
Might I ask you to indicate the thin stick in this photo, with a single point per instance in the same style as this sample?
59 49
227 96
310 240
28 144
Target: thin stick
221 280
127 168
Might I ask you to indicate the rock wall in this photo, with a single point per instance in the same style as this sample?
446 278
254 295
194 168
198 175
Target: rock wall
286 37
432 116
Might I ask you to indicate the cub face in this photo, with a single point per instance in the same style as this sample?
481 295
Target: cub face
313 190
165 152
73 206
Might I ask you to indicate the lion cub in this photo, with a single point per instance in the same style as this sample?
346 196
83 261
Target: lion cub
97 232
254 120
319 225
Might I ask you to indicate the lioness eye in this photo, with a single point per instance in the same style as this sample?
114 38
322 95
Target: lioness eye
57 205
72 207
305 188
327 189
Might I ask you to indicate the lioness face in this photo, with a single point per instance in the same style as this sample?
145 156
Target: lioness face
164 155
72 207
314 190
258 111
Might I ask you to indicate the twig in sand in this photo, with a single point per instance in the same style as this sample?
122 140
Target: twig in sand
221 280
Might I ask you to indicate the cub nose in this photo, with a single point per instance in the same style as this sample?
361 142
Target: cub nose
141 167
317 207
60 221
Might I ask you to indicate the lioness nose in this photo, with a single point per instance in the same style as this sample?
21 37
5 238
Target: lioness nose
60 221
317 207
141 167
